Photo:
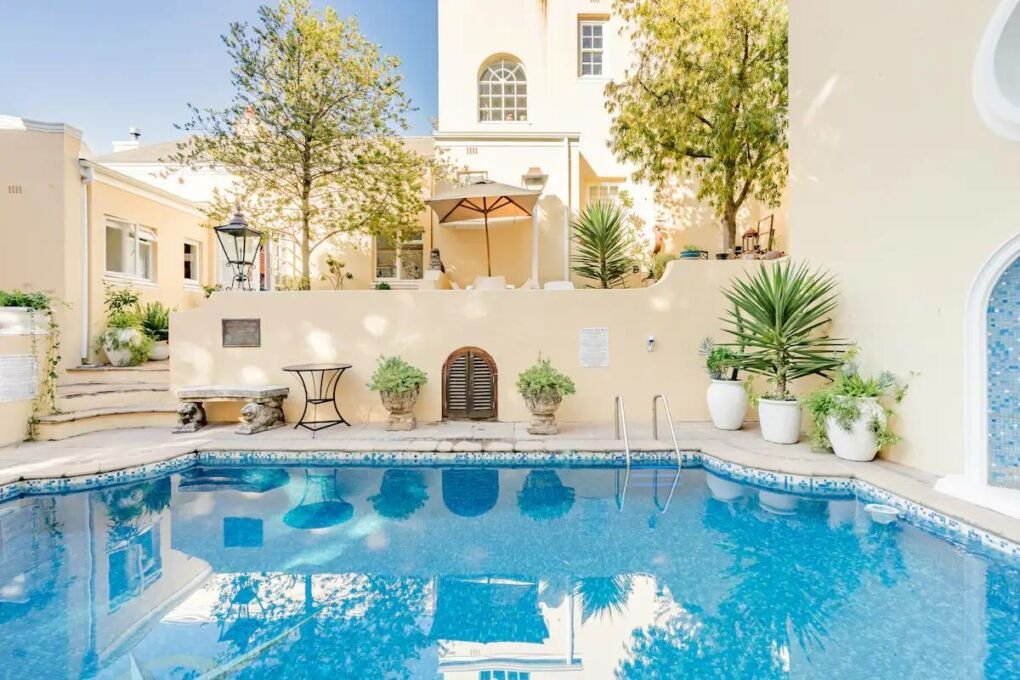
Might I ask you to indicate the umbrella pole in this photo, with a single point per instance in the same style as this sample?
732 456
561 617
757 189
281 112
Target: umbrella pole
488 255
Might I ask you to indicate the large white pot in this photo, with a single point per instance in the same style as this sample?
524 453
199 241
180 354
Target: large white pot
727 404
125 337
780 421
859 442
160 351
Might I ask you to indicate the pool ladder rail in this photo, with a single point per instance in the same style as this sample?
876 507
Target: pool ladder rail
620 423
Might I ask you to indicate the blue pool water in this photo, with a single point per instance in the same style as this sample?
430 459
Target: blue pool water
487 574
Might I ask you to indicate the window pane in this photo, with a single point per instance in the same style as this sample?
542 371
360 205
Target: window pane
115 250
145 259
385 258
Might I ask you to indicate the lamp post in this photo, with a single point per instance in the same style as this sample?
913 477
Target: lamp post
240 245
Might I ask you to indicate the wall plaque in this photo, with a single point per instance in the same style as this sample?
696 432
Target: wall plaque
19 377
242 332
593 346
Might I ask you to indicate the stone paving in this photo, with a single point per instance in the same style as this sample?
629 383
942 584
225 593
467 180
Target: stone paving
120 449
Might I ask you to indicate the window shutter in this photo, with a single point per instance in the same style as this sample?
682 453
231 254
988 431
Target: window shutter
457 388
480 381
469 387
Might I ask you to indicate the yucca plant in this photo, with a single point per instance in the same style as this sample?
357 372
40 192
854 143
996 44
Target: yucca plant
604 245
777 318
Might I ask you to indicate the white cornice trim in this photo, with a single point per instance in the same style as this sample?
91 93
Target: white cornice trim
139 188
506 135
28 125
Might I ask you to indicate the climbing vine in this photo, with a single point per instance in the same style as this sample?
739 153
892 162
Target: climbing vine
45 400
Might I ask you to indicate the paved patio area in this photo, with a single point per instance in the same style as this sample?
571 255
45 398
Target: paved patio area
120 449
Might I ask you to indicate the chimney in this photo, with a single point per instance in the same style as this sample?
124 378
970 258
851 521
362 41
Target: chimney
123 145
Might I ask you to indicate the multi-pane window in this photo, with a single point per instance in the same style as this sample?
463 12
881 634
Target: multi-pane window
403 261
607 193
503 92
591 48
130 250
192 263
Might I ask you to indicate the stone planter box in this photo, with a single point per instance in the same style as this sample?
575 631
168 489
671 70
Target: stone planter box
23 321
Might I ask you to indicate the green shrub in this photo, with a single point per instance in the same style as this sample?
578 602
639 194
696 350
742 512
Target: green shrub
17 298
154 319
393 374
691 249
124 319
721 362
543 382
658 265
118 299
382 285
841 401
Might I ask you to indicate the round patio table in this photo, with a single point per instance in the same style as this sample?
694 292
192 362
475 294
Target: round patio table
319 382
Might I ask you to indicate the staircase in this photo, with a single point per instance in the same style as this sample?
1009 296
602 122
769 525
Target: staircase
94 398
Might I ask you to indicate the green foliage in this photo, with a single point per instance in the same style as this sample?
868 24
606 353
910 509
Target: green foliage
382 285
312 132
208 289
154 320
336 272
658 265
842 400
123 319
542 382
706 100
393 374
692 249
778 316
119 299
37 302
605 246
721 362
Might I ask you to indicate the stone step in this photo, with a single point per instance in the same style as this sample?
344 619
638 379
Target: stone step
153 372
86 396
73 423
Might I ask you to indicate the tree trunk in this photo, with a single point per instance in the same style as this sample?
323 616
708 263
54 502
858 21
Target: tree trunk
306 237
729 228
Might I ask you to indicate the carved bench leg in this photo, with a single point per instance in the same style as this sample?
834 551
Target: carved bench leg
261 416
190 417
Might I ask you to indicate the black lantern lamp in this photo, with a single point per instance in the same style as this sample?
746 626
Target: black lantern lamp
241 245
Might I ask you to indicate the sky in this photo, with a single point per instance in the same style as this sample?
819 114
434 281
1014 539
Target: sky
104 66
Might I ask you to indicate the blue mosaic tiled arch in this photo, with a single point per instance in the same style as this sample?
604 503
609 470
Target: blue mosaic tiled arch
1004 380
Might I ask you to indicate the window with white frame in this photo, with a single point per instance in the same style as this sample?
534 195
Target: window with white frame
591 47
503 92
400 261
192 263
606 192
130 250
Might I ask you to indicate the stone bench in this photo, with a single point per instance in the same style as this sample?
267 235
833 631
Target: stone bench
262 411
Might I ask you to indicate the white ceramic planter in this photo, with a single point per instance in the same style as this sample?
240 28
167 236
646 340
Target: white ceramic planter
780 421
858 443
727 404
122 357
23 321
160 351
724 490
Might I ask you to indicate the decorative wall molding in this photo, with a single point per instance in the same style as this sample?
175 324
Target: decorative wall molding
996 79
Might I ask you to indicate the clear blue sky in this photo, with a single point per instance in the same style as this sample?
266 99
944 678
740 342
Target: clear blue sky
106 65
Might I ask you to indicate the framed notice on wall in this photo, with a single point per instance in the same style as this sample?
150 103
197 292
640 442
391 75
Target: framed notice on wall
593 347
242 332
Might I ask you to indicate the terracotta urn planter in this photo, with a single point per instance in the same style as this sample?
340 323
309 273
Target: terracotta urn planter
543 414
401 408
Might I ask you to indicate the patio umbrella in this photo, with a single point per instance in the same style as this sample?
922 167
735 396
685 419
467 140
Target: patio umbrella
487 199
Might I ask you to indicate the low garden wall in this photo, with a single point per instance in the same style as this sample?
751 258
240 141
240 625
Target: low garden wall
21 334
513 327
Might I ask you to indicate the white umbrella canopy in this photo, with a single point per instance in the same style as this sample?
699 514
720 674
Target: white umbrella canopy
484 199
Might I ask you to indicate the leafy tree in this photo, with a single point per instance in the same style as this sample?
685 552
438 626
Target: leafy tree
706 99
605 244
311 133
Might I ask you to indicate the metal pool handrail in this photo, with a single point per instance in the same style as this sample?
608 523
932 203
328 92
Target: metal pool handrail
676 444
620 416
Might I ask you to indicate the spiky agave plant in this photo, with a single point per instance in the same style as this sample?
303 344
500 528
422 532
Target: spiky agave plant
778 318
604 245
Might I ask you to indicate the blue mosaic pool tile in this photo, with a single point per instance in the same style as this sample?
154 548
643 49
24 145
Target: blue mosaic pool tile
1003 342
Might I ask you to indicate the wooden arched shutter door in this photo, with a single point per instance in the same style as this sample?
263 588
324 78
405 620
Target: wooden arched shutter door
469 385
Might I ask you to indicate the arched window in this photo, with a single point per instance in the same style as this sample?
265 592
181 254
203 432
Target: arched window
469 385
503 92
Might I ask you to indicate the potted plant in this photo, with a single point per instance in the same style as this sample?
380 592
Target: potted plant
398 384
23 313
543 388
727 398
690 252
777 315
123 340
851 416
155 321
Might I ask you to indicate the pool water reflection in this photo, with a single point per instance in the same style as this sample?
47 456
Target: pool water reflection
510 574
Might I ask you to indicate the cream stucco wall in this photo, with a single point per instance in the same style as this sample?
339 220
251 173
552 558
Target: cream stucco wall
424 327
900 189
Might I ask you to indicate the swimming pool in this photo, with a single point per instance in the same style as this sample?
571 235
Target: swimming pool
508 573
